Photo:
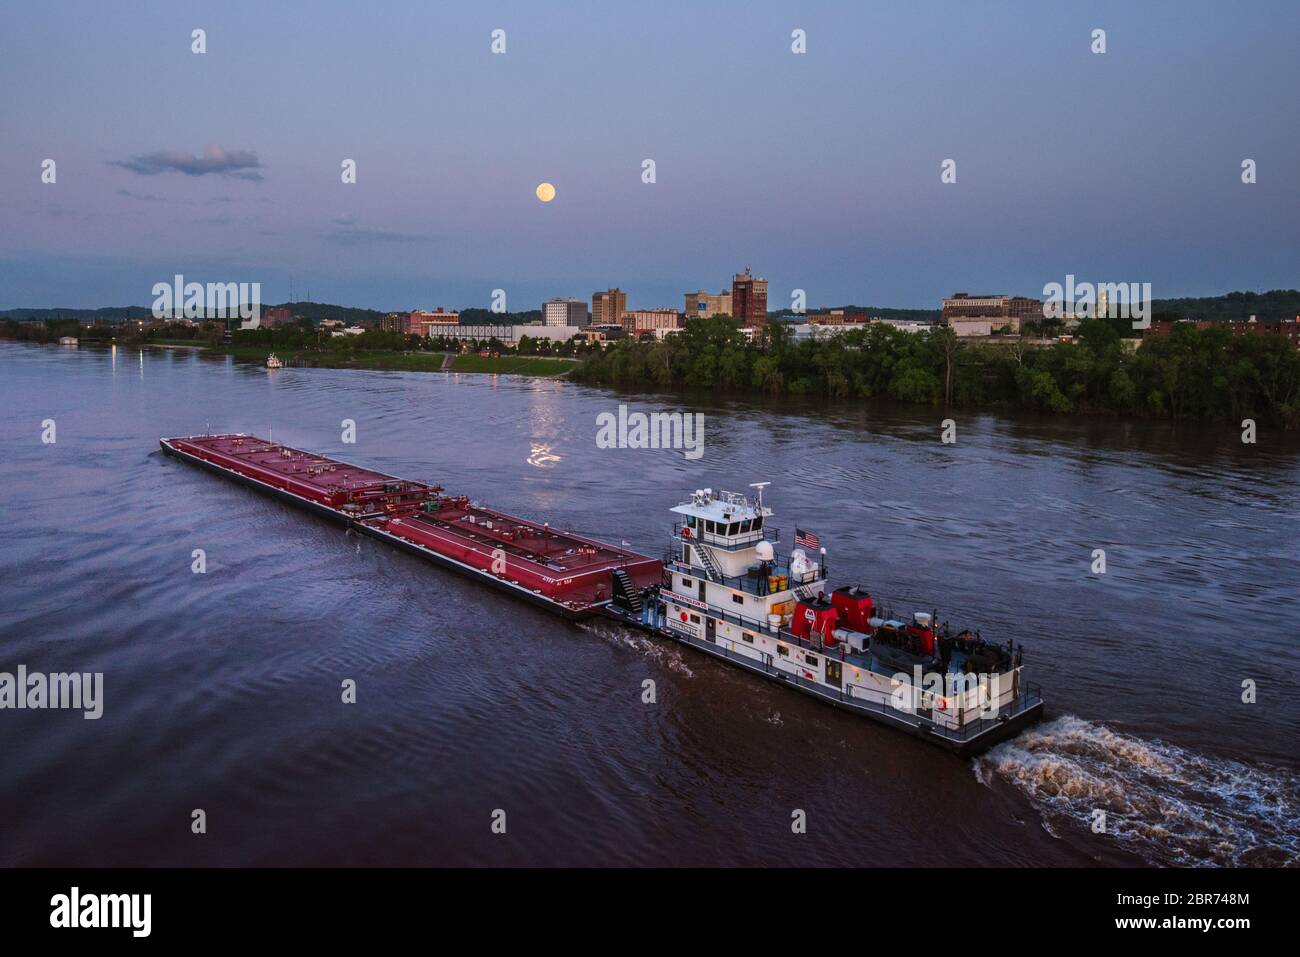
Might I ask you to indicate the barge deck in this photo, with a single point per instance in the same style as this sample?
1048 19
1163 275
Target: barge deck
562 571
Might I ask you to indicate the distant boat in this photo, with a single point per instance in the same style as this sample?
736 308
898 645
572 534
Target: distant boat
69 341
273 362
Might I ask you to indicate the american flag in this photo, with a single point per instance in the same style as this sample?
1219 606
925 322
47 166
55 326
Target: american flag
804 539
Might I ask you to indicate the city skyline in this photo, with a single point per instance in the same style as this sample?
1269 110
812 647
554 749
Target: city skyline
821 170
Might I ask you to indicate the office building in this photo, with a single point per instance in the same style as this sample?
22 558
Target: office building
564 312
607 307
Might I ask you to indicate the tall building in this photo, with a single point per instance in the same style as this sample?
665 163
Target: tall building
703 305
607 307
564 312
749 299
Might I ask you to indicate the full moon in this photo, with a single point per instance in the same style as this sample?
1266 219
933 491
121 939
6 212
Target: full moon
546 192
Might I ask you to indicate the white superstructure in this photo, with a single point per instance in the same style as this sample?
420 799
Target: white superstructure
724 558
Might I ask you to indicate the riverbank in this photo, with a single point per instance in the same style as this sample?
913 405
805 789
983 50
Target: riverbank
405 361
1189 374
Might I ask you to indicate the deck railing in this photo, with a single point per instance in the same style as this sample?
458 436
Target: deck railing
1028 697
729 543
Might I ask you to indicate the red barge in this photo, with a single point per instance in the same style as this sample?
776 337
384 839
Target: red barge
558 570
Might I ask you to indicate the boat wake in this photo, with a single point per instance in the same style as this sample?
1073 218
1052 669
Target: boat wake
1168 805
660 652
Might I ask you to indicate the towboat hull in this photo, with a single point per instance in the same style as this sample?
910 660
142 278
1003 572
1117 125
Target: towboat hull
1027 709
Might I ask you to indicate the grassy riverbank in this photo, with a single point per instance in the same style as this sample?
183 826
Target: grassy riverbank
513 365
395 361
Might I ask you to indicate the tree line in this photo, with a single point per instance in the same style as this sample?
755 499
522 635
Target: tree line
1205 374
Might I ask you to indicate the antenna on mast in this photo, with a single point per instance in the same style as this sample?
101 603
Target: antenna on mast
759 486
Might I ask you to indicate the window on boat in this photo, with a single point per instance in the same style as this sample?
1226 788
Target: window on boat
710 527
747 636
758 523
738 599
695 619
811 659
690 521
783 651
686 583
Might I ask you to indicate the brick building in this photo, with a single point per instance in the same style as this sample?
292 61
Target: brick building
421 323
749 299
607 307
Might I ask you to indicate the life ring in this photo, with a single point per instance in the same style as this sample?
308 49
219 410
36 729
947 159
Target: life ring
686 532
942 703
686 616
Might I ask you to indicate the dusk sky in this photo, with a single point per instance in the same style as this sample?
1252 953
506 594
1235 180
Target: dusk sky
821 171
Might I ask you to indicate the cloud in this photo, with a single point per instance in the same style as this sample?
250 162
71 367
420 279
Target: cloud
236 164
349 232
146 197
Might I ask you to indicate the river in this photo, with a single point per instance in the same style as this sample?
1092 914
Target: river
222 689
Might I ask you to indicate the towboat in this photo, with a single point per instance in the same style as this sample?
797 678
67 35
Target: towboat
273 362
725 593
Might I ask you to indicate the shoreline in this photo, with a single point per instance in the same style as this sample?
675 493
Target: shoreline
551 367
378 361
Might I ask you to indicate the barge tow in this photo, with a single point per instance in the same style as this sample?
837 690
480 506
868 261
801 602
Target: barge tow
719 588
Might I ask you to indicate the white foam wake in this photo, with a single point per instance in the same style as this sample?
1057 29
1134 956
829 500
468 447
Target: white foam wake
1164 803
660 651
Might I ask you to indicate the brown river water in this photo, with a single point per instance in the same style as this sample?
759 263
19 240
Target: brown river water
221 691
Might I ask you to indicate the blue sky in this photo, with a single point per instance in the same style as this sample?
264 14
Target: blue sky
821 170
